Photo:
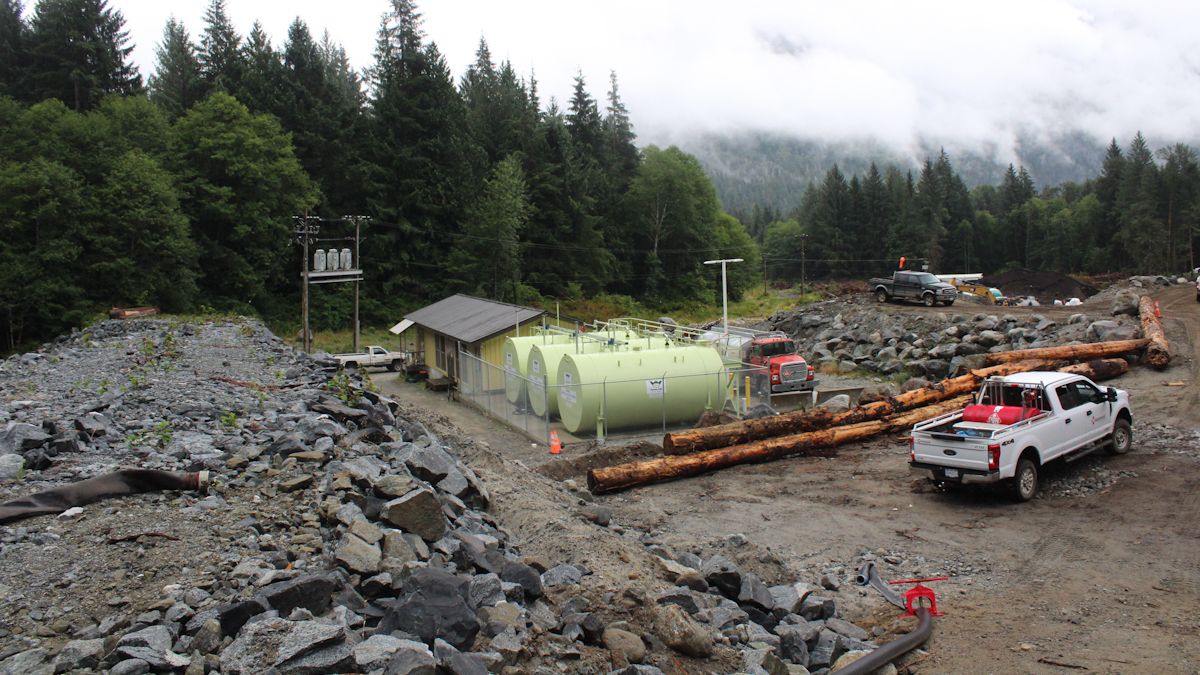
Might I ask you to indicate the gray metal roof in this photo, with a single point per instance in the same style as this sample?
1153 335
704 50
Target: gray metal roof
470 319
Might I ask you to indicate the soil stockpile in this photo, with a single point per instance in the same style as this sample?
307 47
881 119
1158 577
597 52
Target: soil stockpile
1045 286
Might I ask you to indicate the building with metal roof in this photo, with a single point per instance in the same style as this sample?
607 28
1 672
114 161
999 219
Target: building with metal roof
475 325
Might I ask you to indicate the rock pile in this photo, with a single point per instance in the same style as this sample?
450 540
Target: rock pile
843 338
341 535
382 558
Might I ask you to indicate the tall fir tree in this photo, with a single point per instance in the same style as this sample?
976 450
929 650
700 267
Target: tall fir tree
79 52
222 63
176 85
13 33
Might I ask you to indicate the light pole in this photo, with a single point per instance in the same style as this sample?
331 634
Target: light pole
724 288
803 238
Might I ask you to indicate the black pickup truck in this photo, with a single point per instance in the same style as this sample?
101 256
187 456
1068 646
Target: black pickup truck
921 286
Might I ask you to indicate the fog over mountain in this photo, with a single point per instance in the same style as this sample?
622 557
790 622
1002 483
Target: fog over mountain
1044 83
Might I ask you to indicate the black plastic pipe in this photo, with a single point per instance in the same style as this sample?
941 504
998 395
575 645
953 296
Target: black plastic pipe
894 649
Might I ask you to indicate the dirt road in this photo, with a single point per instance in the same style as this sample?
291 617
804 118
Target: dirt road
1105 576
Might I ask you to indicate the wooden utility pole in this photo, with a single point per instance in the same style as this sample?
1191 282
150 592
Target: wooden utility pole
306 232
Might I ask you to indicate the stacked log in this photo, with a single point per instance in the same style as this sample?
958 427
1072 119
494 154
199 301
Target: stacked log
1157 352
1088 352
803 421
819 443
1101 369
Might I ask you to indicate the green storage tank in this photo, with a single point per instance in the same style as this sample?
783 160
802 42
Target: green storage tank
634 392
543 361
515 356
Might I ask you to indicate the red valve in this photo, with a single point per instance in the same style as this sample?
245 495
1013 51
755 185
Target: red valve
920 591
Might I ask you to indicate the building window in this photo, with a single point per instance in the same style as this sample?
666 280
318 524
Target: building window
439 348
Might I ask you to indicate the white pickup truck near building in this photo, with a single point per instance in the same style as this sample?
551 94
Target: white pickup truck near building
372 356
1017 424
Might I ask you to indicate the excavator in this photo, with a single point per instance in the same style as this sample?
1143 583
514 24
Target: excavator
964 284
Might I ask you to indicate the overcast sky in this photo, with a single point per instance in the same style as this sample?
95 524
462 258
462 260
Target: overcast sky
959 71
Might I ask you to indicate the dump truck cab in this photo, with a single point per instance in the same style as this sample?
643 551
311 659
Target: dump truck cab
776 363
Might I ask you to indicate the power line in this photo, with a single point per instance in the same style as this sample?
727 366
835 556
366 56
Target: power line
560 247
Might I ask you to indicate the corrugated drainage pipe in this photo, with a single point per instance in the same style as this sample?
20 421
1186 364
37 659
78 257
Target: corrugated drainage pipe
894 649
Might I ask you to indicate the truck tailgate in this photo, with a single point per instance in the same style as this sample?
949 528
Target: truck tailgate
965 452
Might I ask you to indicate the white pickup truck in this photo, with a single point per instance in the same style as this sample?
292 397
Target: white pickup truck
372 356
1017 424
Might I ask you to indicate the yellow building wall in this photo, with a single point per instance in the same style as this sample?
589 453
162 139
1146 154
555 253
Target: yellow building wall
491 351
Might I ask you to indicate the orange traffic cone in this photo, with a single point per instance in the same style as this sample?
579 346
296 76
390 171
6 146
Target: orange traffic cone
1156 312
555 446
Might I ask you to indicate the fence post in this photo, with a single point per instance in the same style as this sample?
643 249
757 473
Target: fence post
664 402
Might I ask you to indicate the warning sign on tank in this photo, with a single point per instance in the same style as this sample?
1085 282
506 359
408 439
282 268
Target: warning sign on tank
656 388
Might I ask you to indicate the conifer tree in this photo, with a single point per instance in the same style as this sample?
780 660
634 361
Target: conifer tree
13 33
222 63
176 85
78 54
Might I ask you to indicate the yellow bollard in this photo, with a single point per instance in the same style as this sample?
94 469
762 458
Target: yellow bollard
747 392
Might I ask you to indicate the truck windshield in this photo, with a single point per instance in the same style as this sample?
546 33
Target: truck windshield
927 278
783 348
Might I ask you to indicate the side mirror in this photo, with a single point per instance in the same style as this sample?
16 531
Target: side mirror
1112 394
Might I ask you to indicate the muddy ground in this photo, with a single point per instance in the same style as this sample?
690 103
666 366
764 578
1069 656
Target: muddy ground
1101 571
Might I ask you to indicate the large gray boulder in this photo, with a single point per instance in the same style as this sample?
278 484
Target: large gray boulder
273 643
1125 302
836 404
1111 331
418 512
18 437
434 605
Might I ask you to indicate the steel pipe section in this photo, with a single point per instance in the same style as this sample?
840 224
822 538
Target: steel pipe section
894 649
867 574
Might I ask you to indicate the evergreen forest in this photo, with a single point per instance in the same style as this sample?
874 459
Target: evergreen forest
182 188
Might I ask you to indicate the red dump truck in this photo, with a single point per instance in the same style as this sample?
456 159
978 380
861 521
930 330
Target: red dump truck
775 363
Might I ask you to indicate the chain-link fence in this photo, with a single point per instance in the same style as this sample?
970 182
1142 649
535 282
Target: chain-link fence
503 395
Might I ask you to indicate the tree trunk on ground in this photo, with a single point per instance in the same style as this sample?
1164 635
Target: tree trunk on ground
814 443
802 421
1089 352
1157 353
1102 369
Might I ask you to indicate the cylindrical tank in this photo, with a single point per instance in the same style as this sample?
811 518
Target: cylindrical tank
514 359
347 262
628 388
544 360
319 260
331 260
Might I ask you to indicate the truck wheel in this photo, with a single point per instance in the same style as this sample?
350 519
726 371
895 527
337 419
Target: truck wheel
759 385
1025 483
394 365
1122 438
881 296
350 365
929 300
